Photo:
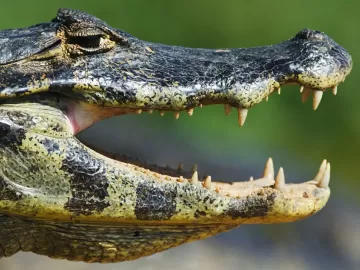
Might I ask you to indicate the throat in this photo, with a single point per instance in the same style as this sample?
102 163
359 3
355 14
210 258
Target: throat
82 115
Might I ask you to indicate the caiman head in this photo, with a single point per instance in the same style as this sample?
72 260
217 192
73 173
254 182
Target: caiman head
63 199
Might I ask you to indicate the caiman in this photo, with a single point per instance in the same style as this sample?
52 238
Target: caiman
63 199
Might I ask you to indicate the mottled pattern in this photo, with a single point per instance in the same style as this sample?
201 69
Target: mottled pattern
88 182
18 44
256 206
81 56
108 207
62 199
90 243
159 204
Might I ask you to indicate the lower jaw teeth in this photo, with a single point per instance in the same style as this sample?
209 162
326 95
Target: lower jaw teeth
321 180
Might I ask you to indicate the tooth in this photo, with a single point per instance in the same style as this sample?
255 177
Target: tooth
190 111
138 111
280 180
267 98
194 178
180 167
334 90
301 88
242 113
161 113
201 105
180 179
150 111
176 115
251 178
194 168
305 95
279 90
324 181
321 171
207 182
227 109
317 98
269 171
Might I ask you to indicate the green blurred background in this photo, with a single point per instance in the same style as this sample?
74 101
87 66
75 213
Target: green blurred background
284 128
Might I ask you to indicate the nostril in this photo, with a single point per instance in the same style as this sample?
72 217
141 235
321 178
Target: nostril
310 34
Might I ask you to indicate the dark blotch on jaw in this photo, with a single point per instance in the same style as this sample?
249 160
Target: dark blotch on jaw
257 206
87 180
51 146
11 135
155 203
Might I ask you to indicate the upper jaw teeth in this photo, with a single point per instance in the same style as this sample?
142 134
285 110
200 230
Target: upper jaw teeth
305 93
317 98
243 112
317 95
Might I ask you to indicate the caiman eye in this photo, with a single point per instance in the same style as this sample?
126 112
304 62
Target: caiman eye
90 42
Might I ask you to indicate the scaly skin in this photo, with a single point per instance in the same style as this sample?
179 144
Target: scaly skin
62 199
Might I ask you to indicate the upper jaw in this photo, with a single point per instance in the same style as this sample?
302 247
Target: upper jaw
150 76
140 75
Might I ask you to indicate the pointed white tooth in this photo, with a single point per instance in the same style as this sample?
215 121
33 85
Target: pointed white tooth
176 115
301 88
207 182
150 111
280 179
194 168
161 113
201 105
324 181
317 98
305 95
227 109
194 178
242 113
138 111
190 111
279 90
251 178
267 98
321 171
334 90
269 171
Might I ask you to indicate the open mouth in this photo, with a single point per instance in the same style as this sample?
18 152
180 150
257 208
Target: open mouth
81 203
82 115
